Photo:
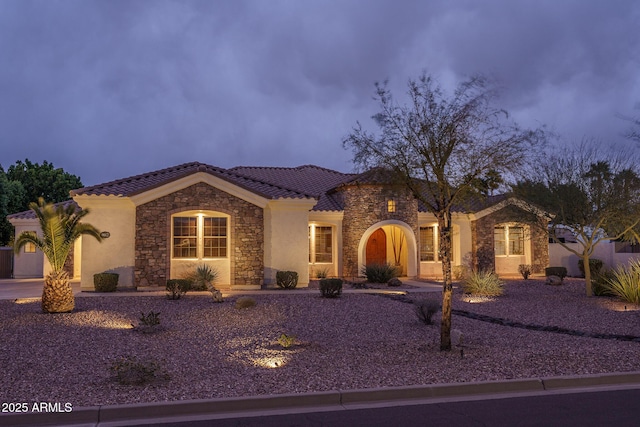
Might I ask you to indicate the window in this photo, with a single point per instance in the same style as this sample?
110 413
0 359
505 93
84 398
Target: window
320 244
391 205
30 248
427 244
199 236
508 240
626 247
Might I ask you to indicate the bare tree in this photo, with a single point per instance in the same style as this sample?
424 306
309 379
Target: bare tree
594 195
440 147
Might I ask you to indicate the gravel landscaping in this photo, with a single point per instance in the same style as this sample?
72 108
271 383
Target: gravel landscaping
208 350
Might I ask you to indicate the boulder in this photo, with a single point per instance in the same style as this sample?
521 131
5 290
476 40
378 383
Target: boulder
554 281
395 282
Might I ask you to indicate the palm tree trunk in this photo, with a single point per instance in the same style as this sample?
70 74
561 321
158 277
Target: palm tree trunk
57 295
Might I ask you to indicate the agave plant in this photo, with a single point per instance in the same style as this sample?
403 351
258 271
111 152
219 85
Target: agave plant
61 227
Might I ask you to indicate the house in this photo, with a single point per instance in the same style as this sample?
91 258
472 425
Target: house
250 222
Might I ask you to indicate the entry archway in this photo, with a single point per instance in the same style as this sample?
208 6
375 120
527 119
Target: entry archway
411 245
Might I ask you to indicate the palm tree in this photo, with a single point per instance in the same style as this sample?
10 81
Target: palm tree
61 227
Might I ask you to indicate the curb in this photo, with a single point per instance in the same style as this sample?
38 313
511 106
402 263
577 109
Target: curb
192 410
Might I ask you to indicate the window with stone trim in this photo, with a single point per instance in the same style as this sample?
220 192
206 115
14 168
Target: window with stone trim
320 244
508 240
199 236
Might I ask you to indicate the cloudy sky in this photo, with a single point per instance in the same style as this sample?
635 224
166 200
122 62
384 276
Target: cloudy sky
107 89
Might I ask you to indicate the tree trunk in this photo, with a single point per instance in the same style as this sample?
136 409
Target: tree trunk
587 274
57 294
444 231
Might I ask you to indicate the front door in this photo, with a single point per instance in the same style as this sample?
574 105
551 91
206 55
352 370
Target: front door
377 248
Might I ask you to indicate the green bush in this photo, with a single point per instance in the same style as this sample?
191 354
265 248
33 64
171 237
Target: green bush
330 288
426 309
380 273
595 265
625 283
287 279
525 270
245 302
483 283
561 272
599 283
177 287
105 282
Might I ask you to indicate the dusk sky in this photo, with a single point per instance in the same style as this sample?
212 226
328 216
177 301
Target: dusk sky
109 89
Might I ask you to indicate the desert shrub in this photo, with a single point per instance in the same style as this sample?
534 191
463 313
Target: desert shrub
202 278
286 341
561 272
426 309
380 273
131 371
459 271
595 265
322 273
150 319
287 279
525 270
105 282
599 283
245 302
177 287
330 288
625 283
483 283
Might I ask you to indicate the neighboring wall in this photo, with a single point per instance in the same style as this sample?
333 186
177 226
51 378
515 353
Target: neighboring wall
605 251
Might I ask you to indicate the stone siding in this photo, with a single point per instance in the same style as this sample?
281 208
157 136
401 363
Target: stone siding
153 234
366 205
482 242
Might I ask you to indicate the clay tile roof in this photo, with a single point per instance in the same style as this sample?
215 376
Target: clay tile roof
140 183
31 215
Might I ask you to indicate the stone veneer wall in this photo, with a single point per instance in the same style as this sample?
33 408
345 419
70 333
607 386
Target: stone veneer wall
153 234
482 246
366 205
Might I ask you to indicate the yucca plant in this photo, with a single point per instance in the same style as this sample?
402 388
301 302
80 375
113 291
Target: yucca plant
625 283
482 283
61 227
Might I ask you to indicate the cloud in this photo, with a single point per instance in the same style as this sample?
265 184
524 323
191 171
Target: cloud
111 89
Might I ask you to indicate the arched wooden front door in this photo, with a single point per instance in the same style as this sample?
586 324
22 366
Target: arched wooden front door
377 247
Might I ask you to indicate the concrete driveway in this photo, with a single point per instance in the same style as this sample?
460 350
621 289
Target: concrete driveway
26 288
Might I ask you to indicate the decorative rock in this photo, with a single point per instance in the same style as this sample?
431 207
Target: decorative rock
554 281
395 282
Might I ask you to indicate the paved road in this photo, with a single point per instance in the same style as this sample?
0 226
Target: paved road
594 408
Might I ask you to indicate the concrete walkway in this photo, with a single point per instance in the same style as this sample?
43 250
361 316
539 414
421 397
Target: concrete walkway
11 289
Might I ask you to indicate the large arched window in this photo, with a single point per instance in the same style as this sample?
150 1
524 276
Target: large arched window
199 235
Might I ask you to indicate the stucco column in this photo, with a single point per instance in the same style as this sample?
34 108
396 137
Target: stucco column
286 246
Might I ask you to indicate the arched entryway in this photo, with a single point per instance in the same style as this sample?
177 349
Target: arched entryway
390 241
376 251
